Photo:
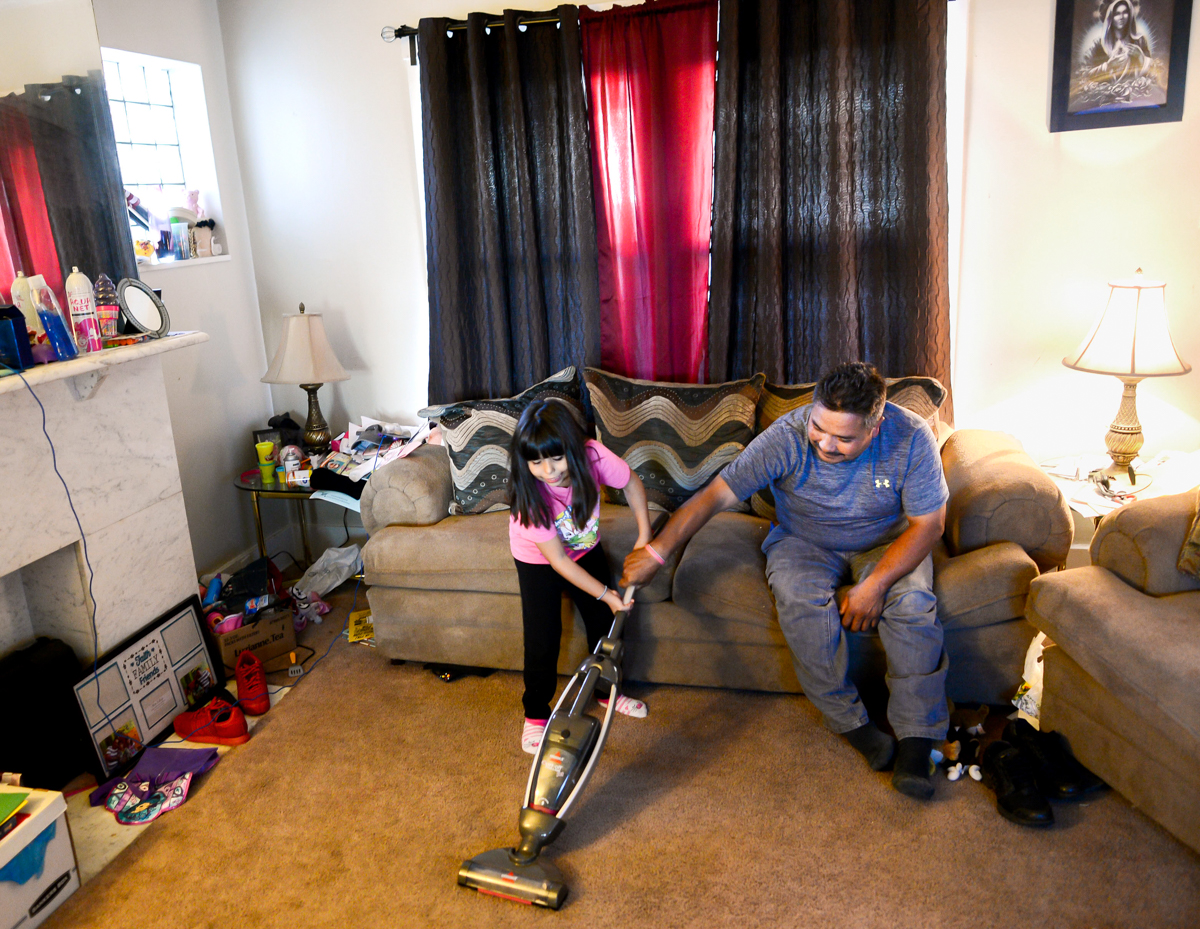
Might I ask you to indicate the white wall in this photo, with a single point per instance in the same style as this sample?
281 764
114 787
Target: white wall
213 390
1048 220
324 115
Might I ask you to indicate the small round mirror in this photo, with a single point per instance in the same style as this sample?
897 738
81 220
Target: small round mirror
141 306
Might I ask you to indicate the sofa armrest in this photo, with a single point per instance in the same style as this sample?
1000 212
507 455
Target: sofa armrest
411 491
999 494
1140 543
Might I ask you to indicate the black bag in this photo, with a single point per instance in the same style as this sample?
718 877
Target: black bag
46 740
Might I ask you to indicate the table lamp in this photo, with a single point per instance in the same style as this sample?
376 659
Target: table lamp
1131 342
305 357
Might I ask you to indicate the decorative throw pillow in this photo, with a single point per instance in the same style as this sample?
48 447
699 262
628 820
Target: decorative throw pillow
1189 555
921 395
477 434
676 437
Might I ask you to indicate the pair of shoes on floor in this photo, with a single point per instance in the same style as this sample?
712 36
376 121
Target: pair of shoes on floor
1058 774
627 706
1026 767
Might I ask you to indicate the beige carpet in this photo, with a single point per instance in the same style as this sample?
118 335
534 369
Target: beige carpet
356 800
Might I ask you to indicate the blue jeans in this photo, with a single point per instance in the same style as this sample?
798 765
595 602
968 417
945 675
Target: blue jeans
803 578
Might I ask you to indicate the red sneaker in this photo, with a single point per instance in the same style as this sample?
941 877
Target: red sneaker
215 722
251 685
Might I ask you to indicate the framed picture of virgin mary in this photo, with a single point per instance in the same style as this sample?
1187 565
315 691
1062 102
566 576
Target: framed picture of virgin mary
1119 62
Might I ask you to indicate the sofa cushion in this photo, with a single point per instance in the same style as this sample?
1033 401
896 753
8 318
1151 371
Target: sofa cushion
921 395
676 437
1144 650
471 553
723 574
478 432
458 553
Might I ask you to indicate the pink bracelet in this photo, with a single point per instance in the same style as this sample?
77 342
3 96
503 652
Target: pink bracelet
653 554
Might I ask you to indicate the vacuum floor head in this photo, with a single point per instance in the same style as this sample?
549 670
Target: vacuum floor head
538 883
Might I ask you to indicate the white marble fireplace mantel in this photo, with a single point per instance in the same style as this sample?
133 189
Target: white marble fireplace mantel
107 415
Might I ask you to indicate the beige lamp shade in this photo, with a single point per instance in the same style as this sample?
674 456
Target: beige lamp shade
1131 339
305 355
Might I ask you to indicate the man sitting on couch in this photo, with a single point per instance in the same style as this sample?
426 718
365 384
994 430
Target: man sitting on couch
859 495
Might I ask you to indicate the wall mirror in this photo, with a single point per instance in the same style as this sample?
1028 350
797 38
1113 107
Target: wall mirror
142 307
62 202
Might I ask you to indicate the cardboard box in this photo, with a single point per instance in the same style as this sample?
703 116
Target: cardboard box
28 904
269 637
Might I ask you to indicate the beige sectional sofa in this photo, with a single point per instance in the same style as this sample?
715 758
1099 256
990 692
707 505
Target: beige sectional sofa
444 589
1123 683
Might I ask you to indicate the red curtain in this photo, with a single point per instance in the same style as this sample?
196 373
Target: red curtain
26 240
650 73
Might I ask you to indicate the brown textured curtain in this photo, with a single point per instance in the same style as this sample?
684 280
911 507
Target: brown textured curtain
829 204
511 224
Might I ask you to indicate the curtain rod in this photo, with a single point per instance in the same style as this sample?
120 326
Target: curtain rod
392 33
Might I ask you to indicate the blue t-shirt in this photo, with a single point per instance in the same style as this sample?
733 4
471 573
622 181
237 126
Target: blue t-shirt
848 506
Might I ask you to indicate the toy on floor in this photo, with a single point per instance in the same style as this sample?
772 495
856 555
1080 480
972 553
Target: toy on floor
308 607
960 751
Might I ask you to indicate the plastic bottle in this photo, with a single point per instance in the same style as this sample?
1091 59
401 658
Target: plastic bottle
21 300
53 320
82 302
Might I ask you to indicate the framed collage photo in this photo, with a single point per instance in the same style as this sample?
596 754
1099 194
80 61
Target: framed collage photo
139 687
1119 62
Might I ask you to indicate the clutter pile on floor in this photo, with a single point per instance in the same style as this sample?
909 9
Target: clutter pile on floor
159 781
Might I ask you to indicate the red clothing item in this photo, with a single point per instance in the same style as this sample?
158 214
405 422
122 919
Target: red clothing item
607 470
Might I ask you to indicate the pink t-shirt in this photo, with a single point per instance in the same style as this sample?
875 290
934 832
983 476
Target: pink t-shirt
607 469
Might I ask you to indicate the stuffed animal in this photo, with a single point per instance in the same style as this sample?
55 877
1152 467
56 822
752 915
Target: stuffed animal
961 748
308 607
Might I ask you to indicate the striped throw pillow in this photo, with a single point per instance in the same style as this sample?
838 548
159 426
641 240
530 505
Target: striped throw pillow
921 395
477 434
676 437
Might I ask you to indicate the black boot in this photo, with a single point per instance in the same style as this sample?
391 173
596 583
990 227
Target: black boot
1059 775
1009 773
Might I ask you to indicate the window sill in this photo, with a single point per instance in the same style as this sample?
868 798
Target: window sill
143 267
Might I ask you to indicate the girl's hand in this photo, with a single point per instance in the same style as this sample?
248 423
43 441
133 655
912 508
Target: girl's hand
642 541
613 600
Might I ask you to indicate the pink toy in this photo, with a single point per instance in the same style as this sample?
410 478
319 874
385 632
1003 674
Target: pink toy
309 607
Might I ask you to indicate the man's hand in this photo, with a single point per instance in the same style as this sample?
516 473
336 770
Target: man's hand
640 568
862 605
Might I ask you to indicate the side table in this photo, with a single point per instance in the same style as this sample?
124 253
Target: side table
1171 472
276 491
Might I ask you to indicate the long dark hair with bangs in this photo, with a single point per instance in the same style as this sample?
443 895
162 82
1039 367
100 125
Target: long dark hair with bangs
547 429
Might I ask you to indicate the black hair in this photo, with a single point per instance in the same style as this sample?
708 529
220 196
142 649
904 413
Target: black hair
854 387
548 429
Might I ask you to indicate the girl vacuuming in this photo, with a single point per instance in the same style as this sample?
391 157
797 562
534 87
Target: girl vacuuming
554 534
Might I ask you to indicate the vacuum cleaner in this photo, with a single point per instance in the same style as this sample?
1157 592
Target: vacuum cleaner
564 764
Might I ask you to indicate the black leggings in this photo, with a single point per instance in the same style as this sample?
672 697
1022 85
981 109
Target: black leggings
541 612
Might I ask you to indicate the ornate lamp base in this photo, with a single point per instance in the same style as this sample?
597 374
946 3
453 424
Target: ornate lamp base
1124 440
316 430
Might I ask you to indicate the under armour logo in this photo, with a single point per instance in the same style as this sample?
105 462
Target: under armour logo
882 482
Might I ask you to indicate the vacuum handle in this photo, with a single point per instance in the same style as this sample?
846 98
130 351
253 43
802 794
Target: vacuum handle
618 624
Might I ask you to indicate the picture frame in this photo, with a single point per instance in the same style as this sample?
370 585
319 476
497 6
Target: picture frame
269 435
132 696
1118 62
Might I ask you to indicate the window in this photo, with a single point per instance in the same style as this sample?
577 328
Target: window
160 121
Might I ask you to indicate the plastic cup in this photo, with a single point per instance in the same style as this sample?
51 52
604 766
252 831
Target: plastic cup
268 473
264 450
